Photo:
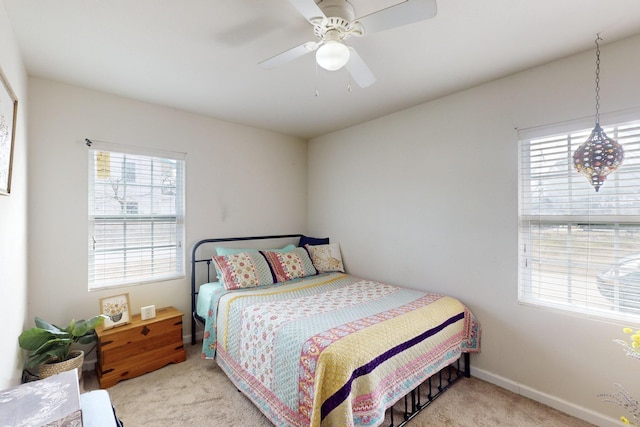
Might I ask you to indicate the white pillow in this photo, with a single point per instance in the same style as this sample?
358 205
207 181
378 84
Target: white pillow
326 258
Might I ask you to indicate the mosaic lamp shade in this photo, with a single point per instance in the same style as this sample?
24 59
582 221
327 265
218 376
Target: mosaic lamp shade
597 157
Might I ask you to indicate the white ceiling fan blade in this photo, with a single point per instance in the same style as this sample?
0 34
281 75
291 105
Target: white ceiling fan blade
289 55
404 13
360 72
309 9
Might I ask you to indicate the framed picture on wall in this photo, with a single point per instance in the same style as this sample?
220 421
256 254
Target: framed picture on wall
116 308
8 114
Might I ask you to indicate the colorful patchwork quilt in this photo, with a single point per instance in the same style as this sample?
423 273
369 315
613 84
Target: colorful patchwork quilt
334 349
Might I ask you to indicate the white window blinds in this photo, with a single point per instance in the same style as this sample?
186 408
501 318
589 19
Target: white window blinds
136 216
579 249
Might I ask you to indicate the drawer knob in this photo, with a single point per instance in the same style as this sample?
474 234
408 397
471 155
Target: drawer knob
145 330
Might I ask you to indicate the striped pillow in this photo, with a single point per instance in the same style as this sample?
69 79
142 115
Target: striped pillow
290 265
243 270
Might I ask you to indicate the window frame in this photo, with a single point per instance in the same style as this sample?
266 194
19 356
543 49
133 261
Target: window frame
129 217
583 227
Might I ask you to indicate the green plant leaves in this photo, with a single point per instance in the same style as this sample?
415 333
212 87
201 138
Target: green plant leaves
47 342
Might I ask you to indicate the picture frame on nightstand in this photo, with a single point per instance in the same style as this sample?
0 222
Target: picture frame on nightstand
116 309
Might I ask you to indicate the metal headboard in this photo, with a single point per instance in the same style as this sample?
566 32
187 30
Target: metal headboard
195 261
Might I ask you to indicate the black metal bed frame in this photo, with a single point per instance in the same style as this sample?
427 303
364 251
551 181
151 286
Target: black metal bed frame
408 406
195 261
427 392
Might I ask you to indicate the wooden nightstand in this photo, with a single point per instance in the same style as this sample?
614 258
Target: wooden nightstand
141 346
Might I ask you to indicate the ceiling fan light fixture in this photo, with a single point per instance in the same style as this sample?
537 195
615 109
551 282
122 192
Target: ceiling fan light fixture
332 55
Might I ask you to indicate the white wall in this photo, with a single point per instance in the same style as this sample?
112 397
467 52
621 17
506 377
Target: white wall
13 219
427 197
240 181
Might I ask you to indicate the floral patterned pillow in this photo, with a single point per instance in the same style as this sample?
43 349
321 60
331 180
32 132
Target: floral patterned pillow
290 265
326 258
243 270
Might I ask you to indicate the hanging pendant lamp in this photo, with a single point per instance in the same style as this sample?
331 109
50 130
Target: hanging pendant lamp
599 155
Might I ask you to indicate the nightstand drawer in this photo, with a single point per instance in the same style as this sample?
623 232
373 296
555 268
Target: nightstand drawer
140 364
138 331
110 354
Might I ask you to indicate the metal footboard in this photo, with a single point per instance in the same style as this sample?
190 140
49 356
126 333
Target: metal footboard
426 393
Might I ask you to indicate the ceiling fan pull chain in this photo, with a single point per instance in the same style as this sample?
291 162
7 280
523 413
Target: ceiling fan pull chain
316 82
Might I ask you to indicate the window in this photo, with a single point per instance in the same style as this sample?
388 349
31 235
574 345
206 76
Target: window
136 216
579 249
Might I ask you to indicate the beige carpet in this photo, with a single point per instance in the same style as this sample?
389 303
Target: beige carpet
197 393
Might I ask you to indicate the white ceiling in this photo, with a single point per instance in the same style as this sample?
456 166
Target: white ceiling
202 55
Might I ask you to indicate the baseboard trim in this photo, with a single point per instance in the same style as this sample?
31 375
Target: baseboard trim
89 364
199 336
546 399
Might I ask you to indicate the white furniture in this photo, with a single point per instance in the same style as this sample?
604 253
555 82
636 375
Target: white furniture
97 410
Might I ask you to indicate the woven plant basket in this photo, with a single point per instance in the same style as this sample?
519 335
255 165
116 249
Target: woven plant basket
75 362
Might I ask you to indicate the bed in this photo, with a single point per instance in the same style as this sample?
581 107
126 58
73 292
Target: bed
311 345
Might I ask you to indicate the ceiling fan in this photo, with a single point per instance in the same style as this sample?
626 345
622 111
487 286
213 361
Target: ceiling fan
334 22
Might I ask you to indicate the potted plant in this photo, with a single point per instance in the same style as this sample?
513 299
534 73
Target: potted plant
49 346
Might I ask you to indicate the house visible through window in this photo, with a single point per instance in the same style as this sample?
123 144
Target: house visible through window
579 249
128 171
136 216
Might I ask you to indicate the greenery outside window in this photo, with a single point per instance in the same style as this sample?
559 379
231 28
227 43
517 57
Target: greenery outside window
579 250
136 216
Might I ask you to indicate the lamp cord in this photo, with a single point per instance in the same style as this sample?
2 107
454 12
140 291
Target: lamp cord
317 92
